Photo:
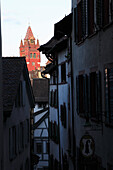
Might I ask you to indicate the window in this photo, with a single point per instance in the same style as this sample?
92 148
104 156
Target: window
53 98
79 9
105 12
33 63
21 137
12 142
91 16
111 9
80 93
32 41
88 91
63 114
54 77
30 55
98 17
34 55
27 164
39 147
39 105
53 131
109 95
63 73
26 131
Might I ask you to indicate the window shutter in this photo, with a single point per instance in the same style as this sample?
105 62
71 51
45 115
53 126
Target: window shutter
79 15
91 16
61 113
25 133
86 94
23 92
83 18
89 98
98 96
64 110
111 93
17 139
77 94
50 98
54 131
111 6
105 12
87 11
10 144
56 98
99 13
57 136
107 94
49 129
75 25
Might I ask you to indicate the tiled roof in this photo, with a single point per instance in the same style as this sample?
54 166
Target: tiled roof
12 70
52 43
29 34
40 89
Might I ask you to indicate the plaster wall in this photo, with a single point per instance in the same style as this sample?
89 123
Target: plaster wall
18 115
94 52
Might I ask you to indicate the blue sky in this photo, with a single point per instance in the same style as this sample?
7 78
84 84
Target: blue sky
41 14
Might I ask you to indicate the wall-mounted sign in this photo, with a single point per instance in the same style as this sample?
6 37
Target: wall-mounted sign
87 146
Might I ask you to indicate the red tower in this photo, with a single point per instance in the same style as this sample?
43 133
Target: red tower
29 50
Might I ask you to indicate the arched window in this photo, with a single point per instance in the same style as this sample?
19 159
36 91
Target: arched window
34 56
30 55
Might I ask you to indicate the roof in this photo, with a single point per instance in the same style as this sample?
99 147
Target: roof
63 27
52 43
29 34
13 67
40 89
49 68
48 45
